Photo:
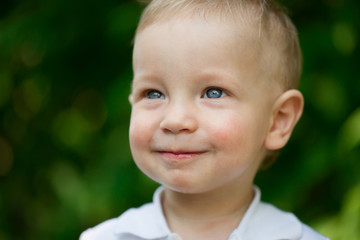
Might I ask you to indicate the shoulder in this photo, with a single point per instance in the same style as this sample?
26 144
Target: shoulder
104 230
275 224
145 222
109 229
286 224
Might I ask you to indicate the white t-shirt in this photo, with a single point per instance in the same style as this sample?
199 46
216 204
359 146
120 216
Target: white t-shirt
261 221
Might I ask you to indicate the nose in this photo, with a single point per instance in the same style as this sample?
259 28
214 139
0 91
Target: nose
179 118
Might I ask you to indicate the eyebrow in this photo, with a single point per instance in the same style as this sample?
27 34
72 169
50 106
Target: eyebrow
214 77
220 76
146 78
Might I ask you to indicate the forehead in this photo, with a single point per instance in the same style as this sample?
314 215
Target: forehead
196 38
248 12
252 25
196 48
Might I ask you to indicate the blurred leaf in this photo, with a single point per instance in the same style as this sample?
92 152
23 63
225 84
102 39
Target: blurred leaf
71 129
350 133
346 225
329 96
344 38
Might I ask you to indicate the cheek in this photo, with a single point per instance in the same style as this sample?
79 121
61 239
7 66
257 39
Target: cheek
235 140
229 132
139 138
139 132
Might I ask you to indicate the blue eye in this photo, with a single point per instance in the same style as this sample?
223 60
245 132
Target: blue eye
214 93
154 94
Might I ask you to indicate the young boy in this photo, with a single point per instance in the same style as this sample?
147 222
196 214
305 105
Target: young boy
213 96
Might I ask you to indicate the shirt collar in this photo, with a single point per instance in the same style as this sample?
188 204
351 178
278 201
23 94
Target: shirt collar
264 221
261 221
146 222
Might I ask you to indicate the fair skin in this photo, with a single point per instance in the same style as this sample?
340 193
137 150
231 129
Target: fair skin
202 121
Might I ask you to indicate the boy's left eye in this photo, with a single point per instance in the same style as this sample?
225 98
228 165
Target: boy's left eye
154 94
214 93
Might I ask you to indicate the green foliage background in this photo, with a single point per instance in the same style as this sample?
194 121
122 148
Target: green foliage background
65 165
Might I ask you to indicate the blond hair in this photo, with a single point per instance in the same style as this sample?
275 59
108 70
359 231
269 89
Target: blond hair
276 35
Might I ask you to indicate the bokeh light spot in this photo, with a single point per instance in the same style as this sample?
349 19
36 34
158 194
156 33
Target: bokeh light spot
65 180
71 128
344 38
330 97
29 97
69 186
350 132
32 53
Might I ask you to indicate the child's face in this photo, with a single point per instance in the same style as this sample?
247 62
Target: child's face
199 112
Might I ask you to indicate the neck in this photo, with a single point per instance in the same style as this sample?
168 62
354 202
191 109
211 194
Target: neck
193 215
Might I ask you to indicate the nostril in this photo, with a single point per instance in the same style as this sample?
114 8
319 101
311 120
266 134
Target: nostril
176 124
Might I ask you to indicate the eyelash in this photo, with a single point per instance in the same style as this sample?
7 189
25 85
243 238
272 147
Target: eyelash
160 95
222 92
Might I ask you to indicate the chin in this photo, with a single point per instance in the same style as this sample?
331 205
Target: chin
188 188
182 186
181 182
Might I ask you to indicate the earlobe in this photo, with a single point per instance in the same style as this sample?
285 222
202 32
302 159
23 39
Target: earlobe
287 111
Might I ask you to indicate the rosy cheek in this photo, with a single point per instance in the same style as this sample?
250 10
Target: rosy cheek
135 129
140 131
229 131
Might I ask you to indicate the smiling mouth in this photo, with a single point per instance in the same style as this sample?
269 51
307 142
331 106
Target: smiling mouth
179 156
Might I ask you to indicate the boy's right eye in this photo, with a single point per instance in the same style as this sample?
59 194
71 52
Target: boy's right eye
154 94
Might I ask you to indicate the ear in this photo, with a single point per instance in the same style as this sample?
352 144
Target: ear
287 111
130 98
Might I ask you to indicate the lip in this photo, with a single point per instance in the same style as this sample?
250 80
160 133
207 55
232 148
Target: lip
180 157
